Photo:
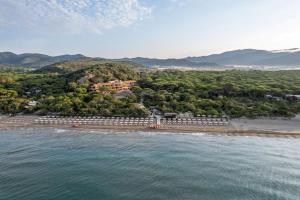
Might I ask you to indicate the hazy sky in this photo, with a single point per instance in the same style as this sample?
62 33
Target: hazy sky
149 28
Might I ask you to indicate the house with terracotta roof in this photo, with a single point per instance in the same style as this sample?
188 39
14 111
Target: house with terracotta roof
116 85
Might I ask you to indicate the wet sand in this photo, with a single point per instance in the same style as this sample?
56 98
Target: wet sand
265 127
268 124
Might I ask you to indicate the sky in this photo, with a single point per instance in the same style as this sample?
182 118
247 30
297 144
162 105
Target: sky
147 28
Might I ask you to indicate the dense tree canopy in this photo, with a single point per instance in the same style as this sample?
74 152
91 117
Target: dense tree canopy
236 93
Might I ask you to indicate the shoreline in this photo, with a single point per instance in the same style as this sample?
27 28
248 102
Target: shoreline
211 131
237 127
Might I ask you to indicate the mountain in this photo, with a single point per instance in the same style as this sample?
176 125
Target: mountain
150 62
244 57
286 57
34 60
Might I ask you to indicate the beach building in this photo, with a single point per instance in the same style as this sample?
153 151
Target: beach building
170 115
188 114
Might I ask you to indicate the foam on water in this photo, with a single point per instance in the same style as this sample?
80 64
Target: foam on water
60 130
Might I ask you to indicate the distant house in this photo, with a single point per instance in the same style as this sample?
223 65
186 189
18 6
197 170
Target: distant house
37 91
272 97
33 91
117 85
31 104
294 96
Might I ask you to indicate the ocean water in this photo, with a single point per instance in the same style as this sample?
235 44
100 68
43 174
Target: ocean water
44 164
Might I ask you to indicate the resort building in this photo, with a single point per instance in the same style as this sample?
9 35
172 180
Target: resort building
117 85
170 115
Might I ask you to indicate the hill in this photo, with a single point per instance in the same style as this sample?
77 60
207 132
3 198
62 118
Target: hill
34 60
104 72
94 70
72 66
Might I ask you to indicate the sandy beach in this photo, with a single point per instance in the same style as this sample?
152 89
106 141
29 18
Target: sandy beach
242 126
268 124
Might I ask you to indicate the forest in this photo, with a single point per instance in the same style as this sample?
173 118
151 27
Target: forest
236 93
233 92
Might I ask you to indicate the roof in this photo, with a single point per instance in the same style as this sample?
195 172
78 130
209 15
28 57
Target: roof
123 93
170 114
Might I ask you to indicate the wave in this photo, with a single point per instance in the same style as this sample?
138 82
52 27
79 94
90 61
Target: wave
60 130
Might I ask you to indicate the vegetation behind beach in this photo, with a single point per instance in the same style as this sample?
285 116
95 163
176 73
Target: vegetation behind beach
64 88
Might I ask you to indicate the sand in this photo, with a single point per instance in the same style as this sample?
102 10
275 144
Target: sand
242 126
268 124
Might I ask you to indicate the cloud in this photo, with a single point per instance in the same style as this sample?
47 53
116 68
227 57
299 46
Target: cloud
175 4
179 2
70 15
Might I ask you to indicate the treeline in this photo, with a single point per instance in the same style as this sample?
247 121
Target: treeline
236 93
68 94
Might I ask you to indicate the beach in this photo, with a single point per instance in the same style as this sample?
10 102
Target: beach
240 126
268 124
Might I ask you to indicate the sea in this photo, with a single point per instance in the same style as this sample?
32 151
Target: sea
62 164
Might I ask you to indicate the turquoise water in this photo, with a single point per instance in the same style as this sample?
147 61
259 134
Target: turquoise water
44 164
